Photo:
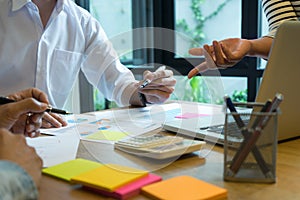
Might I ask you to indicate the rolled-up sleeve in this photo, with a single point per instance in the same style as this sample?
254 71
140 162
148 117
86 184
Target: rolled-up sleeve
102 66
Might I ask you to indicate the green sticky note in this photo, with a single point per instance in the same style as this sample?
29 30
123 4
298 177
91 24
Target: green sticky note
107 135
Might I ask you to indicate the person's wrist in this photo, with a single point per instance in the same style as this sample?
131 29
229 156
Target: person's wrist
138 99
252 51
143 99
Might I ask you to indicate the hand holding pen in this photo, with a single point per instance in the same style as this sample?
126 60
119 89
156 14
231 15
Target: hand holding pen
24 116
48 117
49 109
157 86
151 76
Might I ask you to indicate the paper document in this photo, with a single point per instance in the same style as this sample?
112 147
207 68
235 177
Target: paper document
112 125
55 149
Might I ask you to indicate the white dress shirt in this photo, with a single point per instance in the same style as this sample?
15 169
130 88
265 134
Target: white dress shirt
50 58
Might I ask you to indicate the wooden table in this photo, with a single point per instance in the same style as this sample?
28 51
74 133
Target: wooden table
206 165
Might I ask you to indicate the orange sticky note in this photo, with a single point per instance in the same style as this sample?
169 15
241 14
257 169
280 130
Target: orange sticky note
184 187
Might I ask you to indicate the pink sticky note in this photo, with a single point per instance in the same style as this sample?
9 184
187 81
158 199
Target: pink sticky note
190 115
130 189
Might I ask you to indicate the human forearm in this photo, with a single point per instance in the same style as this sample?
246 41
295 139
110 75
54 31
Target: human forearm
260 47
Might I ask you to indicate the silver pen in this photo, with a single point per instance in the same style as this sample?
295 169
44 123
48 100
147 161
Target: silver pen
145 83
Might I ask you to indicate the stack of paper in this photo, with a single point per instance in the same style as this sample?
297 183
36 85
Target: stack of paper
111 180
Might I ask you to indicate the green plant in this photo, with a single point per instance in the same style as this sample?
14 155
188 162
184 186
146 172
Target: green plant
198 91
197 34
239 96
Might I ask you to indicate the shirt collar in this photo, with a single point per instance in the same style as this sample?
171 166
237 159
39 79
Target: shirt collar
60 5
18 4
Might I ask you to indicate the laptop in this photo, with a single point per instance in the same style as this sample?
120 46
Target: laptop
282 75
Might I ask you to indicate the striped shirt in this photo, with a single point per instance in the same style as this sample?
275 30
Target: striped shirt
278 11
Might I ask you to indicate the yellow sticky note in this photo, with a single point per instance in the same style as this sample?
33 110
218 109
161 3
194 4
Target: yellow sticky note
107 135
69 169
109 177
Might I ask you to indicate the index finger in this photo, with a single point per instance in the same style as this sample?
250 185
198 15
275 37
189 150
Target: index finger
196 51
28 105
39 95
30 93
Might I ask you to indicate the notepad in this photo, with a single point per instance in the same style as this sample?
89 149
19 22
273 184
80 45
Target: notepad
184 187
69 169
112 180
109 177
130 189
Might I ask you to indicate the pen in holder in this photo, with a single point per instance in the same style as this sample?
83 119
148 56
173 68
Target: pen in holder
253 159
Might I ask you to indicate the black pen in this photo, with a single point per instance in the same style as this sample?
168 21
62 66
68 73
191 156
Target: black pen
5 100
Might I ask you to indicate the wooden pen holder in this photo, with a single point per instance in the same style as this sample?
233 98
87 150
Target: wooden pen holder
253 159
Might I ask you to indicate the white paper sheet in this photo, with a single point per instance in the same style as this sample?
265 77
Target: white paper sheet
112 125
55 149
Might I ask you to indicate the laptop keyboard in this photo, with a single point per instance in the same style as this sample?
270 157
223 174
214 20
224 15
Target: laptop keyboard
232 129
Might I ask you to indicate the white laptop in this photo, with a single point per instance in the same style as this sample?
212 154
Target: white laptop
282 75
